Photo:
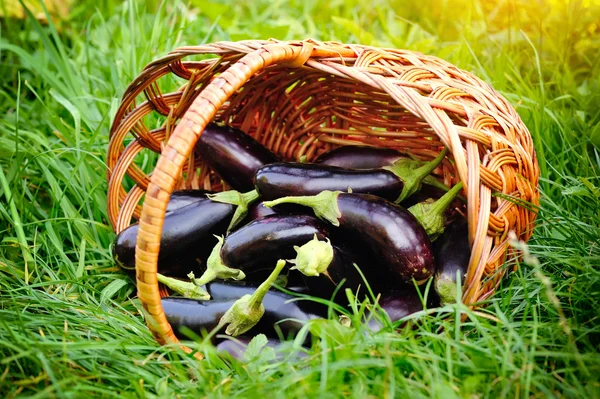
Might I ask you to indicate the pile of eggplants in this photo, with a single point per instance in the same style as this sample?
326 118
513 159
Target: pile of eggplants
357 199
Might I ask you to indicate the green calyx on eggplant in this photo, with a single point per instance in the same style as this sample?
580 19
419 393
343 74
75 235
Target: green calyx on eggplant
389 233
431 214
452 252
233 155
241 200
183 288
215 269
413 173
246 312
313 258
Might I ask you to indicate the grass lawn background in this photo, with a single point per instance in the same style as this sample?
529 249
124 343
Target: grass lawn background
69 326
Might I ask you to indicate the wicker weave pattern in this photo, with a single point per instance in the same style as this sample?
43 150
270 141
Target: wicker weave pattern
303 98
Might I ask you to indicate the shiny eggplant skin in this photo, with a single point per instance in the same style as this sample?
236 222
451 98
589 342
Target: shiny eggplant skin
182 198
257 210
292 178
205 315
389 234
359 157
187 234
260 243
452 253
223 290
233 155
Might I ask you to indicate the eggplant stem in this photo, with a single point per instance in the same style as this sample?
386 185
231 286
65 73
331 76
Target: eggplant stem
324 204
430 166
233 197
258 295
431 214
184 288
413 173
433 182
445 200
215 268
249 309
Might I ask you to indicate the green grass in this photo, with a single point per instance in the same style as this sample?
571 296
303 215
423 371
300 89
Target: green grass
69 323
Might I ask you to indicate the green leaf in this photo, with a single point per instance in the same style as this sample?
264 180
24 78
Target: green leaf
111 289
255 346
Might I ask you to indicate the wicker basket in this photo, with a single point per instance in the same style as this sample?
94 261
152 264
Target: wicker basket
301 98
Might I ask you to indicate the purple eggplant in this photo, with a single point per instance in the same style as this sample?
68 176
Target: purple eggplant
280 314
284 179
254 248
387 233
359 157
452 253
187 235
182 198
261 242
395 183
233 155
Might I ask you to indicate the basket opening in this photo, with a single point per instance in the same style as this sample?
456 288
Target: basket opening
296 113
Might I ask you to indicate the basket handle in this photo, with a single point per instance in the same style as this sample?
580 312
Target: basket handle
170 164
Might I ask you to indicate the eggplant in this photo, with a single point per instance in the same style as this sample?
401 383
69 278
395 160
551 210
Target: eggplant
280 314
395 183
359 157
233 155
182 198
292 178
452 253
187 235
387 233
261 242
